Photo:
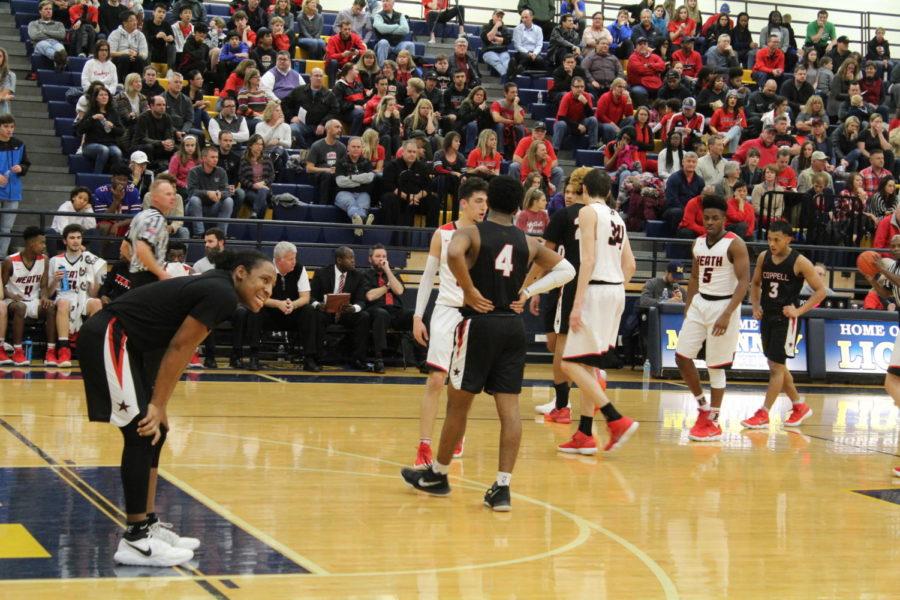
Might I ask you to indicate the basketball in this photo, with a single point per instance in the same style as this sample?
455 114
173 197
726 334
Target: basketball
867 263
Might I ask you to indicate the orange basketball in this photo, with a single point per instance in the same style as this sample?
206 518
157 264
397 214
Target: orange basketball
867 263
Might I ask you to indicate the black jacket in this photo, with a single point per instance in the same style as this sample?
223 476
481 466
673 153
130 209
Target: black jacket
320 106
323 283
406 179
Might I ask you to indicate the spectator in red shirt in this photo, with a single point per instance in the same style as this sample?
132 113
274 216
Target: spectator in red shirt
769 63
875 172
691 225
614 110
484 160
509 119
574 115
680 26
342 48
645 71
764 144
787 177
888 227
729 121
740 217
688 122
538 133
689 58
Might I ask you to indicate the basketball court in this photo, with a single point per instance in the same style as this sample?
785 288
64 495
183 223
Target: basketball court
292 483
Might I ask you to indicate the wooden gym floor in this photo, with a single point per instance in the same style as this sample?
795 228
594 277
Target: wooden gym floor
292 483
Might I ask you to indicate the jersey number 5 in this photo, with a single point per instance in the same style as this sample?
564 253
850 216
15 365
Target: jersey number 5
707 275
504 262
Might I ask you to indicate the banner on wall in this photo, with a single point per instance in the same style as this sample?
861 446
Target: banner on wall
858 346
749 355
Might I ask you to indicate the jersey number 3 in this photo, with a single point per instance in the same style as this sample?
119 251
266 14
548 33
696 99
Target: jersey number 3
616 234
504 261
773 289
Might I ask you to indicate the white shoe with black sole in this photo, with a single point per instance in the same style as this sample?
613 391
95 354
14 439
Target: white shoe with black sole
150 552
164 532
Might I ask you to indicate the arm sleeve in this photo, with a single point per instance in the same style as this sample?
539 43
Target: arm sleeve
426 283
560 275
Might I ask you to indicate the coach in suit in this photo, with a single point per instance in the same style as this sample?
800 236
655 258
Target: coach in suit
343 277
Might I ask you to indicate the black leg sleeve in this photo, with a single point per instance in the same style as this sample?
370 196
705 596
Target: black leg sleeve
138 457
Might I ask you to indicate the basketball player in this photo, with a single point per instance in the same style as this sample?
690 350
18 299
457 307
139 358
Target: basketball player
774 292
445 316
149 236
490 261
888 287
24 275
133 353
85 273
607 264
719 280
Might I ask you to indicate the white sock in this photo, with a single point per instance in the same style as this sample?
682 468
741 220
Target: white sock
51 346
702 402
425 441
713 413
439 468
794 402
503 478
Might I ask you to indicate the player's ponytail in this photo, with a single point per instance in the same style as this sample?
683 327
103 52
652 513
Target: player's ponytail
229 260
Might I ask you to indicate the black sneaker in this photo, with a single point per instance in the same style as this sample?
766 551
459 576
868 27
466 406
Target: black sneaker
497 498
427 481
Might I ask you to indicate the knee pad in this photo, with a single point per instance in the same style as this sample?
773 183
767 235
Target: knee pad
716 378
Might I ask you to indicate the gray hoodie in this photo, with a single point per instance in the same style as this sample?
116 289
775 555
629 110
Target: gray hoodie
122 41
46 30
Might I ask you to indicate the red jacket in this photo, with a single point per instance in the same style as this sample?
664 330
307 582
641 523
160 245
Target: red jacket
872 90
692 62
887 228
610 111
336 46
767 155
646 71
693 216
767 62
735 215
574 111
787 178
76 14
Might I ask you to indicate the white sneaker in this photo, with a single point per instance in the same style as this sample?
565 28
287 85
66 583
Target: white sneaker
357 220
544 409
163 531
150 552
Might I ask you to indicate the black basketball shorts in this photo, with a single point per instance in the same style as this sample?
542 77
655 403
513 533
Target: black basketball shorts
489 354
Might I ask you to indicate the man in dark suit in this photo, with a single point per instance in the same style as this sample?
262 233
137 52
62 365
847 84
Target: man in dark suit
343 277
385 298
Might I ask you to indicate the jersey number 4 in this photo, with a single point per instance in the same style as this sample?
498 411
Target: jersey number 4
504 260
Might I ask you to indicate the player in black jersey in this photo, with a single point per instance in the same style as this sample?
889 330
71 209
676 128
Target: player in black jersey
132 354
490 261
775 293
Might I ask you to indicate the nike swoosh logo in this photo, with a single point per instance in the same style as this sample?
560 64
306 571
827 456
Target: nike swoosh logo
424 483
146 552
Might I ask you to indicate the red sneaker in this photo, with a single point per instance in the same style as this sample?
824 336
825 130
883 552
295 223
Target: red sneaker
619 432
18 358
705 430
759 420
799 413
423 456
195 363
559 415
50 359
64 357
896 471
579 444
4 357
458 451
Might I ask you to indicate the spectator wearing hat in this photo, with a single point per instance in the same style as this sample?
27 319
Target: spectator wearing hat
688 122
769 62
729 121
538 134
575 115
601 68
495 40
839 52
675 88
681 186
820 33
689 58
820 139
818 164
722 57
614 111
644 71
654 289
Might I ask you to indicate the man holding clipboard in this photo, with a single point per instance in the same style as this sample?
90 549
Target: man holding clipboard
339 296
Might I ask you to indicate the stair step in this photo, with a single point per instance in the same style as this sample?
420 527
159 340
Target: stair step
44 157
45 143
43 168
45 187
29 109
34 125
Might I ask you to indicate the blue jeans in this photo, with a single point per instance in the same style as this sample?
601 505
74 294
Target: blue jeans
48 48
561 129
7 220
101 155
733 138
220 210
499 61
383 48
356 120
314 47
355 204
258 200
471 136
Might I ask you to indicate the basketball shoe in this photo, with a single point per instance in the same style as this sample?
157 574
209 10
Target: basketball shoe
497 498
195 363
544 409
50 359
426 480
163 531
759 420
896 471
620 431
579 444
64 357
559 415
4 357
705 429
19 359
458 451
423 456
799 413
150 551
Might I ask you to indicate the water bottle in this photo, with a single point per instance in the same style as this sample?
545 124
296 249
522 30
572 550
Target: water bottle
540 97
665 295
27 346
64 282
281 354
646 375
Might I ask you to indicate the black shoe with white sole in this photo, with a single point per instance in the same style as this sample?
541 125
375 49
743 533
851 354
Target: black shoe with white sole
497 498
427 481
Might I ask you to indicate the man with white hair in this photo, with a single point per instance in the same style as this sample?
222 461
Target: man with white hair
722 56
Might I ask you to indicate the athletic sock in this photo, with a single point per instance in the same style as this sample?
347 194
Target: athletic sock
63 342
562 394
137 530
151 518
714 414
17 346
51 346
794 402
503 478
609 411
702 402
585 425
439 468
425 441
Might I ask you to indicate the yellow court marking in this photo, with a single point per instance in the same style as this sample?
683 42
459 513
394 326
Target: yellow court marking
17 542
668 586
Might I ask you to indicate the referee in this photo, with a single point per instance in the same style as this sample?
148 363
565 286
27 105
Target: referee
149 236
133 352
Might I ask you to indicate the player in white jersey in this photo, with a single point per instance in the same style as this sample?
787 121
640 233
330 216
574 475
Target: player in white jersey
446 316
720 278
887 285
24 277
607 263
84 273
